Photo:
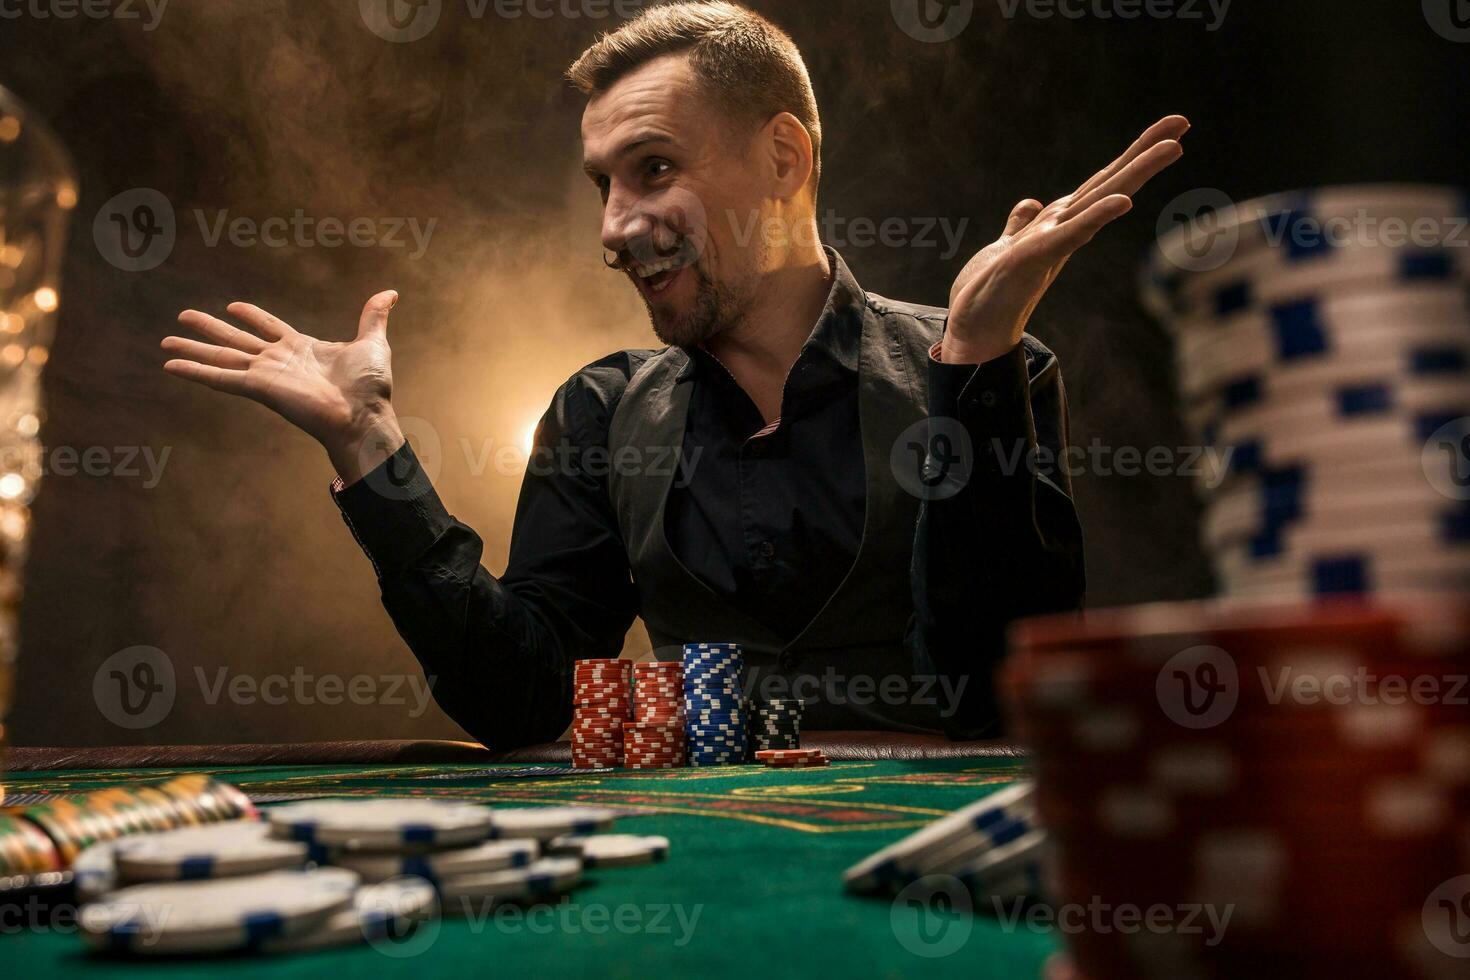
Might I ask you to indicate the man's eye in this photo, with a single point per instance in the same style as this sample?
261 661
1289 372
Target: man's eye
657 168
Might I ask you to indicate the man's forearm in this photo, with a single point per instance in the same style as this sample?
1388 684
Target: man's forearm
1008 544
498 652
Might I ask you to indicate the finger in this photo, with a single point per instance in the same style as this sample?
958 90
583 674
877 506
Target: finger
1069 236
1129 180
219 379
1168 128
221 332
268 324
374 319
224 357
1022 215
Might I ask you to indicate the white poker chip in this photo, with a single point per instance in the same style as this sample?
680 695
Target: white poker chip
547 822
968 830
216 916
490 855
385 911
94 872
381 824
612 850
549 876
222 850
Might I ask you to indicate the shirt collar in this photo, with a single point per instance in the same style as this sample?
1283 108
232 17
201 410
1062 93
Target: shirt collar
839 330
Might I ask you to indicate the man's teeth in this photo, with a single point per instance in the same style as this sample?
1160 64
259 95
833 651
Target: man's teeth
646 271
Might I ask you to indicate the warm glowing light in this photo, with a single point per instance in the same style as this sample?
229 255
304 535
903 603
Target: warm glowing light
12 322
528 440
9 129
38 355
12 354
10 256
66 197
46 299
27 425
12 485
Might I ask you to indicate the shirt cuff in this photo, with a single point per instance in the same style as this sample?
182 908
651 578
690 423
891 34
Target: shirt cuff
991 400
393 512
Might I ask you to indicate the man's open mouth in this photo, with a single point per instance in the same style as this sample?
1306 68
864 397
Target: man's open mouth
658 276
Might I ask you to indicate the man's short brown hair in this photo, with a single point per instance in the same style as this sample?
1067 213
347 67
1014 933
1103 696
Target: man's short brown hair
749 66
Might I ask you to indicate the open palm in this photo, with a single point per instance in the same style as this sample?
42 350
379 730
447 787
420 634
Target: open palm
995 294
335 392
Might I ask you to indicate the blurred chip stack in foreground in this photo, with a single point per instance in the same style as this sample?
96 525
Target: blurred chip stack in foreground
1323 351
1258 779
37 194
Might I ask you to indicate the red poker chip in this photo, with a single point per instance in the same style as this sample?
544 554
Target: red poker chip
796 763
764 754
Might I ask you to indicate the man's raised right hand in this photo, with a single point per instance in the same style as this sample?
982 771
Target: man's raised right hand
339 394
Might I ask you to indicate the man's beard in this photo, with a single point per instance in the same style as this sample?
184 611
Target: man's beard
717 308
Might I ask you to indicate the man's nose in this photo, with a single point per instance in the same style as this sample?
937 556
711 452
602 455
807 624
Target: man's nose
624 220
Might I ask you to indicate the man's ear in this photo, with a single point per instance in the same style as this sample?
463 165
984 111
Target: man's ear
791 156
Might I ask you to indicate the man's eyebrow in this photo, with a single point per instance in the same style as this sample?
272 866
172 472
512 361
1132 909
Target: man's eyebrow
642 139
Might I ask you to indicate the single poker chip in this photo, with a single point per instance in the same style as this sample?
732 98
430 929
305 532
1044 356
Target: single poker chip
216 916
798 763
995 819
612 850
492 855
547 822
540 879
779 754
94 872
381 824
385 911
218 850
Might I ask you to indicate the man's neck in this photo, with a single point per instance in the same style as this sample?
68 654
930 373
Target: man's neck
760 352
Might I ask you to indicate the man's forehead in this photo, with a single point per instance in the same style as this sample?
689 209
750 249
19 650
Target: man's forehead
660 98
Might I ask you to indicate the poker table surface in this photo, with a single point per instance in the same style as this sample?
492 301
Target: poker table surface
752 885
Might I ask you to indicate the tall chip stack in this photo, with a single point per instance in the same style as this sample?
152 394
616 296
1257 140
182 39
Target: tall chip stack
1259 768
602 702
654 739
714 708
1323 352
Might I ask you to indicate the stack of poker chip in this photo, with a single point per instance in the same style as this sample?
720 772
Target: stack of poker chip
328 873
714 709
655 739
994 847
775 723
602 703
1259 761
1323 355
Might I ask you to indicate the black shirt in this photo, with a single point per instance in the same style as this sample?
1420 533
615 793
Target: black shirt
1007 545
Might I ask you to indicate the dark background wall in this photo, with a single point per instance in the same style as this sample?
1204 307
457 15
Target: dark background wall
236 560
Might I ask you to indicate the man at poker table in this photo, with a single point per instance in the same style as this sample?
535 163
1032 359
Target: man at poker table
798 521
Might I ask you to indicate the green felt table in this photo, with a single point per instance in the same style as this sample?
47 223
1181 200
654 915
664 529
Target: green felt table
752 885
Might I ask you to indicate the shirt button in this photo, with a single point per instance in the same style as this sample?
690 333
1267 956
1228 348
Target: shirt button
768 550
988 399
